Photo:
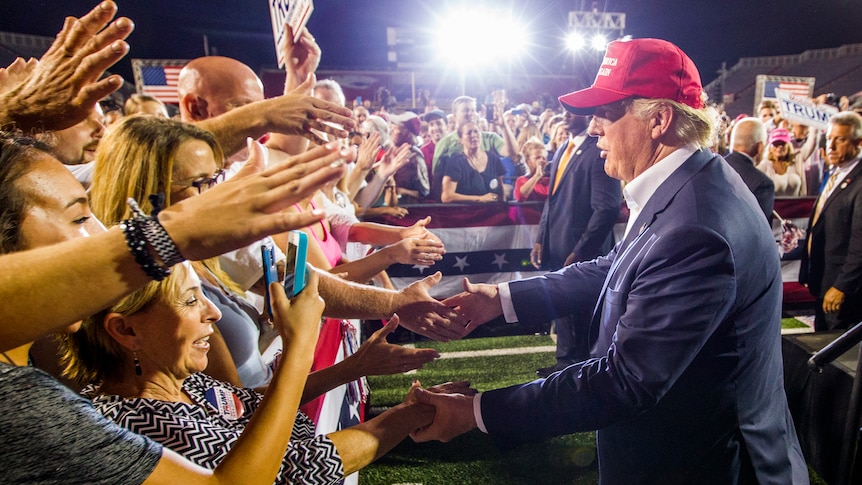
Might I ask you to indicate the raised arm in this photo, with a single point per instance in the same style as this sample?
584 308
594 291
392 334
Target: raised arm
293 113
231 215
258 453
62 89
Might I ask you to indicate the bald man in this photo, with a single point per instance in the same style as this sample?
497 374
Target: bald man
746 144
225 96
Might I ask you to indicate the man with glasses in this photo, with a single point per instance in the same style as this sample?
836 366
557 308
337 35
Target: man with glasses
684 382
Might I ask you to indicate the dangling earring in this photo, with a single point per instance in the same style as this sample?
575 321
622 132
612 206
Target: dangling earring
138 370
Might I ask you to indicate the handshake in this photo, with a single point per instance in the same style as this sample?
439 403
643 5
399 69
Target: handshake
445 410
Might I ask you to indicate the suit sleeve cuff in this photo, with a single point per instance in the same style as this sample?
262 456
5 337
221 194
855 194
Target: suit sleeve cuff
477 413
506 303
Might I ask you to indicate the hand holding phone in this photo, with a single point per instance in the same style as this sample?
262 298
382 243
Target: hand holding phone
295 275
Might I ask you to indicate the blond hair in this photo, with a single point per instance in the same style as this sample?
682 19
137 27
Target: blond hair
689 125
91 355
136 159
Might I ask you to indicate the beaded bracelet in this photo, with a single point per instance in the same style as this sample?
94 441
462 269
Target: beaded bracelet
142 231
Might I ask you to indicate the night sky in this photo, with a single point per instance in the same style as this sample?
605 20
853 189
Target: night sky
352 33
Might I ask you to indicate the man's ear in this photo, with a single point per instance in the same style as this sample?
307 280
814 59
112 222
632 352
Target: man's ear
758 151
194 107
121 329
660 122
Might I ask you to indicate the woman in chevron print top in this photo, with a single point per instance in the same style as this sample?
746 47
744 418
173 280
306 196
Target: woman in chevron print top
147 353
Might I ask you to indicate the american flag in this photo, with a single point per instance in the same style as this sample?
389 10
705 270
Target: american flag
798 88
158 78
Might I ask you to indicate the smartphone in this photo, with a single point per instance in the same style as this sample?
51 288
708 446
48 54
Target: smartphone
294 267
270 273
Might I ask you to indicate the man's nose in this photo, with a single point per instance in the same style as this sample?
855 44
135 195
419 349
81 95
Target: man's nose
595 128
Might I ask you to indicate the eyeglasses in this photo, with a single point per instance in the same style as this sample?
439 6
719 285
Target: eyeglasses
207 183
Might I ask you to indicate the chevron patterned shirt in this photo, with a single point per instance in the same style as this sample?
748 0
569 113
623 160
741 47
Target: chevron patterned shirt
204 434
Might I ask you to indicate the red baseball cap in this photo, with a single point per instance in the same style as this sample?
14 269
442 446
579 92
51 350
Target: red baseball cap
646 68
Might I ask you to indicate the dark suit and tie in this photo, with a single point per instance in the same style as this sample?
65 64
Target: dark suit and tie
833 255
581 209
578 218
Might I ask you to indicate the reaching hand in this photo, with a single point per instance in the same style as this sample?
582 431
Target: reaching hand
414 251
393 159
453 415
296 113
536 255
420 230
368 152
478 304
377 357
16 73
249 206
422 314
62 89
300 59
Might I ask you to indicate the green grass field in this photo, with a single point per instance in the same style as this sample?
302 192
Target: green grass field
474 458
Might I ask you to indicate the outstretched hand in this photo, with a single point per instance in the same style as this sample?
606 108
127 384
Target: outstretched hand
16 73
415 251
422 314
300 58
249 206
62 89
377 357
477 304
419 229
296 113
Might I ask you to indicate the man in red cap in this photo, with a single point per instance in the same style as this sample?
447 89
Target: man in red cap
684 382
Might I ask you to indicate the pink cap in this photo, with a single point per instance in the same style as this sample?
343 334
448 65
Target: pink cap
646 68
779 134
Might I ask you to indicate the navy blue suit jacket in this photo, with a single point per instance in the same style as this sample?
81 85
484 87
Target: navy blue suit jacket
685 382
579 216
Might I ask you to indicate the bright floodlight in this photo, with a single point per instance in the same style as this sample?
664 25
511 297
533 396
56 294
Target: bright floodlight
575 41
599 42
473 36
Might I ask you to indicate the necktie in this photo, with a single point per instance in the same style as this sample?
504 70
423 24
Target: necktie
564 162
821 201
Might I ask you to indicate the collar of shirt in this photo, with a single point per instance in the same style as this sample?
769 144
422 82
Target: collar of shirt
578 140
746 156
843 170
639 191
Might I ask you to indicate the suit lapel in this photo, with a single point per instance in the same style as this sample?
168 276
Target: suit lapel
656 204
849 181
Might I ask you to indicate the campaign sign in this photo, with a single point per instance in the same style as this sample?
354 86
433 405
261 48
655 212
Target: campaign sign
801 109
293 12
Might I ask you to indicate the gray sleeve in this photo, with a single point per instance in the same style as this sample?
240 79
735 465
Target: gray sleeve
53 436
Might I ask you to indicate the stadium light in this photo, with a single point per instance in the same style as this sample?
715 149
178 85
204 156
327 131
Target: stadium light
599 42
470 37
575 41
